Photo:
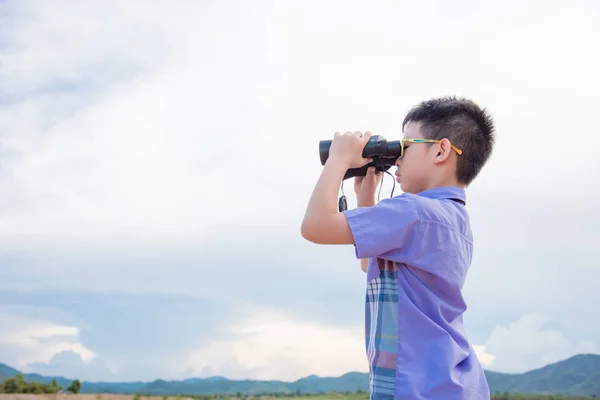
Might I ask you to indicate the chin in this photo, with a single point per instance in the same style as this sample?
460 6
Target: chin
405 188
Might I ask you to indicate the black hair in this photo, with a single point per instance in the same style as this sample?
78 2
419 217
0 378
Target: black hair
461 121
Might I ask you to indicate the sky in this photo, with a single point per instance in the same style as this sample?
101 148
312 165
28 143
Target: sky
156 161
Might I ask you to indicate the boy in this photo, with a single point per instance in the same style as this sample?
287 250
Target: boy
419 247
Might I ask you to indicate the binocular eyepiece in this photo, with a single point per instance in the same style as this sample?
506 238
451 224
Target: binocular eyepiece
383 152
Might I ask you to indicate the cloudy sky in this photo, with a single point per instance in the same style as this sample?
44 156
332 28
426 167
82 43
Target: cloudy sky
156 159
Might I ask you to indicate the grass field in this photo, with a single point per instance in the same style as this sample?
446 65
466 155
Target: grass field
332 396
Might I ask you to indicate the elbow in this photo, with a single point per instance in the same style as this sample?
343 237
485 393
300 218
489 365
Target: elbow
364 264
309 230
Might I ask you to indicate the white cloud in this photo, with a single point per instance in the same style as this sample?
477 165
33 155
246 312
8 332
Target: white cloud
190 128
486 359
531 342
25 340
271 345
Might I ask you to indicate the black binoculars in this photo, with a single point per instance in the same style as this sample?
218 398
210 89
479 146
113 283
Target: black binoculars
383 152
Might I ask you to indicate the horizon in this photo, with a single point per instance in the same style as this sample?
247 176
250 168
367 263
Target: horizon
278 380
156 161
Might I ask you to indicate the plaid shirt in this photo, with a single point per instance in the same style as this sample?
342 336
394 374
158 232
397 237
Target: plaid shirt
381 329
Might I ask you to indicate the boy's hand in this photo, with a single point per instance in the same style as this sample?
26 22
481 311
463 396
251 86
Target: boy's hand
365 186
347 149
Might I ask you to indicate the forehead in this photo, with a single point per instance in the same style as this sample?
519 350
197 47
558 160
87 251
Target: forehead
413 130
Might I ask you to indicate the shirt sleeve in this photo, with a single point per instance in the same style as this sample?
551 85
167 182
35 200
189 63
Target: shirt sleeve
384 230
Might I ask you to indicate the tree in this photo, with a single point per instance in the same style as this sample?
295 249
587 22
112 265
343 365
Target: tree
54 387
75 387
15 384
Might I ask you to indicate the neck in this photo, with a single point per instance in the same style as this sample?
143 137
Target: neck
443 181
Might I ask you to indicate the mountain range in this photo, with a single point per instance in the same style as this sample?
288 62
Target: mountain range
578 375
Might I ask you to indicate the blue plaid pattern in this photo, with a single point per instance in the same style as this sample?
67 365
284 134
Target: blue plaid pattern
381 329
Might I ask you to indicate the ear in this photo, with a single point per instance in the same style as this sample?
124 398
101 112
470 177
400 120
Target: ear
443 149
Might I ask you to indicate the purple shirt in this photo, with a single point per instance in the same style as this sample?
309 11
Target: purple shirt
419 249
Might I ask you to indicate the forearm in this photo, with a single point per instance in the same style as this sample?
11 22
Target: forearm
322 223
324 199
365 201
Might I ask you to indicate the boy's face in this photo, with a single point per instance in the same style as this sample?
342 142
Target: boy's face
416 165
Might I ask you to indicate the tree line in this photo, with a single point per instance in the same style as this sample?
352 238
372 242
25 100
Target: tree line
18 384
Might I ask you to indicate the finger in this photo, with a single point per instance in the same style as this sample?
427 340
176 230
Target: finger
366 136
348 133
336 134
358 134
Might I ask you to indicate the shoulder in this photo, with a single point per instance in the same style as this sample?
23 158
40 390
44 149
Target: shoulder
443 213
404 207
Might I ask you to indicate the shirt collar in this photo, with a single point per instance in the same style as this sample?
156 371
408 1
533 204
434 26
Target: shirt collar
445 192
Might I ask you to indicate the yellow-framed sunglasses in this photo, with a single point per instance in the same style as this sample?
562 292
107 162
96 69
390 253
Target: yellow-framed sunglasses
411 140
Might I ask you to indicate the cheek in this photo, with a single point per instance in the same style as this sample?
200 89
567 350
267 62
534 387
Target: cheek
411 170
406 164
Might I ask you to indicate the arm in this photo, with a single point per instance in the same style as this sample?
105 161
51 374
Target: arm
322 223
364 264
365 200
384 229
364 187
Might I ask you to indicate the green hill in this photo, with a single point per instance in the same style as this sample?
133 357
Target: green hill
6 371
578 375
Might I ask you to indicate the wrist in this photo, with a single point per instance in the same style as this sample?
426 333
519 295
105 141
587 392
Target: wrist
365 201
339 161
